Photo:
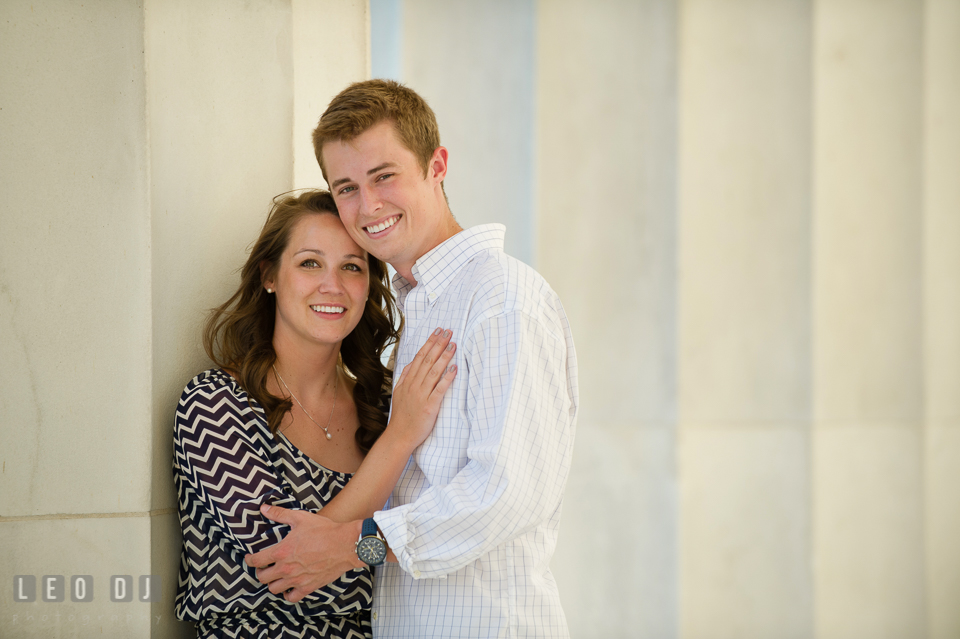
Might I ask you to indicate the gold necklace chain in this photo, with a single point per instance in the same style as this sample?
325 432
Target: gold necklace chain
335 383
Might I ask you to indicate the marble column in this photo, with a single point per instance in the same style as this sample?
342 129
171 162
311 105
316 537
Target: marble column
474 64
868 322
941 314
744 330
607 224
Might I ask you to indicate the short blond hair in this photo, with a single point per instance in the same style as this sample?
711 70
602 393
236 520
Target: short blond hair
363 105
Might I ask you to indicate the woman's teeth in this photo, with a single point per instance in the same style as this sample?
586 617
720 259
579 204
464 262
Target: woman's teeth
328 309
383 225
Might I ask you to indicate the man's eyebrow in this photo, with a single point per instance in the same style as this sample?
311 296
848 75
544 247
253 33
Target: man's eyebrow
380 167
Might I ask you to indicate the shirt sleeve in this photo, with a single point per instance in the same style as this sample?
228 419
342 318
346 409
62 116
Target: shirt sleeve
520 411
223 469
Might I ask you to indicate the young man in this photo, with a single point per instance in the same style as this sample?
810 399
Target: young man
473 520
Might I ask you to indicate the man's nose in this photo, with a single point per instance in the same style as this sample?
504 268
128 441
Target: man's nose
369 201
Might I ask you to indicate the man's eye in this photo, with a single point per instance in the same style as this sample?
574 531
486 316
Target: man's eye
383 176
346 189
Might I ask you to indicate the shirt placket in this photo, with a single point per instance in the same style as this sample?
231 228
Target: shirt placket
415 310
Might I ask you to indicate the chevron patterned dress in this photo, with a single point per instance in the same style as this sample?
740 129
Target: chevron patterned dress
225 464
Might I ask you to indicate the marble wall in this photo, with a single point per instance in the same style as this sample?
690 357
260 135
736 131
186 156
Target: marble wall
142 145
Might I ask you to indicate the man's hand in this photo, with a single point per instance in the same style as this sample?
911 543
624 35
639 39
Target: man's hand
314 553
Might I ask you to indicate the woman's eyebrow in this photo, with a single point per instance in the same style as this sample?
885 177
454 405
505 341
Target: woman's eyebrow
322 254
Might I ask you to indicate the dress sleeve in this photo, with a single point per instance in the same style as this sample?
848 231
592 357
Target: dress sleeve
520 410
223 467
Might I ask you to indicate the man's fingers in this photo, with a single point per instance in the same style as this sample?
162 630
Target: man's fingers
270 555
280 585
296 594
261 559
279 513
268 575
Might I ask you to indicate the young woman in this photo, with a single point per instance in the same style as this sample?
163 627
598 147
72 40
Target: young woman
295 409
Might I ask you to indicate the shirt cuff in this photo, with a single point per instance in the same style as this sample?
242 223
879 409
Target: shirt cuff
400 534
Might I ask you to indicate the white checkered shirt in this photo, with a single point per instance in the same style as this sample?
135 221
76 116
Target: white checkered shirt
474 518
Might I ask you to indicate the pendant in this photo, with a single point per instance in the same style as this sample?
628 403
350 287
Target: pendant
329 436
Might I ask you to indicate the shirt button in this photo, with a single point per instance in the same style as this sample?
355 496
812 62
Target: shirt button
374 615
432 296
416 574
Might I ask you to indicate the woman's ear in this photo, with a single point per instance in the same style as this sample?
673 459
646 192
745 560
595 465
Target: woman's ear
266 277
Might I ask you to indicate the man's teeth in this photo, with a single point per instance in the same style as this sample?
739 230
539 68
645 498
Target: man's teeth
383 225
328 309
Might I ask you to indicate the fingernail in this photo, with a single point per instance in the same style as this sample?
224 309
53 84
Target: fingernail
447 333
451 346
265 508
451 368
436 332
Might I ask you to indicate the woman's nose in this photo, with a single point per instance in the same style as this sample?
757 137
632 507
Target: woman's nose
330 282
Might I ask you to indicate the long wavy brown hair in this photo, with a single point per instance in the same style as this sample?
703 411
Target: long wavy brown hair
238 335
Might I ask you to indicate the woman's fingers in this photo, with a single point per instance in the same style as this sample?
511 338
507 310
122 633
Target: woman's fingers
440 365
418 359
434 362
432 351
444 382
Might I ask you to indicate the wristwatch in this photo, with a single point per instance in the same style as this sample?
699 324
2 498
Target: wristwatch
371 547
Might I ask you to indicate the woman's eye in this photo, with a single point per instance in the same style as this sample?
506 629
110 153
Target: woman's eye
309 263
353 267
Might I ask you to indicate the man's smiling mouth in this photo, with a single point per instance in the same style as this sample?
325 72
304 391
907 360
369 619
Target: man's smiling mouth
383 226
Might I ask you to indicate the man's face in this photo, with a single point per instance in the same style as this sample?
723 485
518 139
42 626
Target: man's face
386 203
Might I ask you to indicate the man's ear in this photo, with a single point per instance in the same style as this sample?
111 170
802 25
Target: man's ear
437 168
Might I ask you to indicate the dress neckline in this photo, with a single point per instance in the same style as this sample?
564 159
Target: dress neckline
238 390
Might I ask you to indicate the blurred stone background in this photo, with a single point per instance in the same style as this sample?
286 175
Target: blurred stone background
750 208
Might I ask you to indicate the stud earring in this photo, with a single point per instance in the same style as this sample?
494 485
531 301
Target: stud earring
269 290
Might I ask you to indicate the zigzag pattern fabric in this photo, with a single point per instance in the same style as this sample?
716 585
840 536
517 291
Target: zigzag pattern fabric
225 464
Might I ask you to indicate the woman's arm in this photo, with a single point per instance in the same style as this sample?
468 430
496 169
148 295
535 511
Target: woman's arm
416 403
222 467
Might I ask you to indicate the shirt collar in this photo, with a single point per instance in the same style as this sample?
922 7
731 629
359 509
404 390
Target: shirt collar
437 267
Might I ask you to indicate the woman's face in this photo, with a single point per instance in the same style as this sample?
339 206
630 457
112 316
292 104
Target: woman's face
321 282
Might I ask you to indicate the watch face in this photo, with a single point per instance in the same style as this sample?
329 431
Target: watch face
372 551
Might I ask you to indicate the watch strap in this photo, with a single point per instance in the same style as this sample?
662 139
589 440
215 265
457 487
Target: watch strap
369 528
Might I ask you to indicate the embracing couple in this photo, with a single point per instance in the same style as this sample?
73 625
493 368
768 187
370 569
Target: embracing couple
319 494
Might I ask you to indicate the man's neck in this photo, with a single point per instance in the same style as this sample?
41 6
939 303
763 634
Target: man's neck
405 270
